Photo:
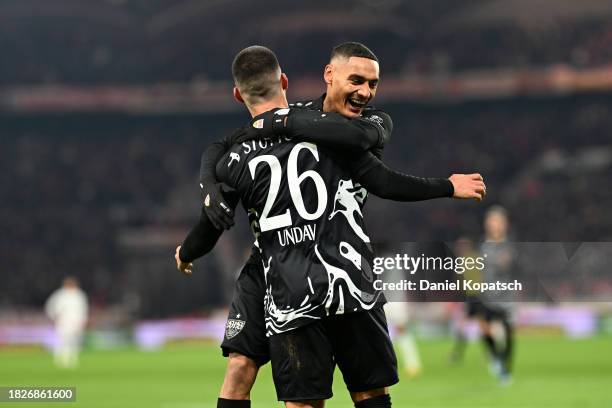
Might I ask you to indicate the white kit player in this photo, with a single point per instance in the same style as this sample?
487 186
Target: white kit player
67 307
397 311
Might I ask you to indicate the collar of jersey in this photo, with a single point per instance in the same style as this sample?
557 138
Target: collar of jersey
315 104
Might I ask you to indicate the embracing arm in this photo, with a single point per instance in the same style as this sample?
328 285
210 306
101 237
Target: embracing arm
337 131
205 234
218 212
326 128
200 240
210 157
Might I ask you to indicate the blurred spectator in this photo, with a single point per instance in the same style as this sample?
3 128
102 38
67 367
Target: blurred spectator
149 42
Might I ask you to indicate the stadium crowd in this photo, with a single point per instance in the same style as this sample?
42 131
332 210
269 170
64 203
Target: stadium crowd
132 42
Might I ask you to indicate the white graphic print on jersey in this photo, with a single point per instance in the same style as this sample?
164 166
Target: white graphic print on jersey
347 202
345 196
366 300
277 320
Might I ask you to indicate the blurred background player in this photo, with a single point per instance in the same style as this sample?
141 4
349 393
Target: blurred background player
398 316
67 307
494 312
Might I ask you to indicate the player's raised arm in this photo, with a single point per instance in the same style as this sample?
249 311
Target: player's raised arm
389 184
325 128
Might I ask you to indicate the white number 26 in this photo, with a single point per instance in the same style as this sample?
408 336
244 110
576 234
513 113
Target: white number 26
267 223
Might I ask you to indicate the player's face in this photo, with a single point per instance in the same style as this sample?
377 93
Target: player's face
351 85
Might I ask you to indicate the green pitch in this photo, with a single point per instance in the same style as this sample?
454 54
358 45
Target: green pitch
550 372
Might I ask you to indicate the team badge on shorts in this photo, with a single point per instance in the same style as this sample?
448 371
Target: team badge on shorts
233 327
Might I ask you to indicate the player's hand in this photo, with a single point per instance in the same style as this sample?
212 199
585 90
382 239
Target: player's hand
266 125
185 267
468 186
218 211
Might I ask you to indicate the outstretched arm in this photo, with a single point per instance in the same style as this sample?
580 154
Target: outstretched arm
392 185
389 184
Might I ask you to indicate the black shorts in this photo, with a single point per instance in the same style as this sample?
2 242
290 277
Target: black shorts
473 306
245 329
303 360
476 308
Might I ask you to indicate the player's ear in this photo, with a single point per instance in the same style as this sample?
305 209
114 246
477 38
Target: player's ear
284 81
237 95
328 73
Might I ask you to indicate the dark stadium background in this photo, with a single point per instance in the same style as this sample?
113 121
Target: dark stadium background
106 106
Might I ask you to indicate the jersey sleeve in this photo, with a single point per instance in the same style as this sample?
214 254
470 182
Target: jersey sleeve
389 184
384 120
226 177
381 119
210 157
334 130
203 237
200 240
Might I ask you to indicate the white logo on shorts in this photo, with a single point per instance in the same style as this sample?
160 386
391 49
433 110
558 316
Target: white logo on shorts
233 327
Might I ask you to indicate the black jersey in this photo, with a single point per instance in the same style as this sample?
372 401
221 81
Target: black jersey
316 252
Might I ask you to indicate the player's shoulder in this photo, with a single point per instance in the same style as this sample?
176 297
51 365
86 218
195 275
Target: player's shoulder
229 160
378 116
231 154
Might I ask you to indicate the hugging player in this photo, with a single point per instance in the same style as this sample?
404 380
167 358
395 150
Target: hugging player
352 78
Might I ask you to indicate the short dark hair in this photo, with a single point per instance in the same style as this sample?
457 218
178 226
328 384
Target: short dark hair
352 49
256 73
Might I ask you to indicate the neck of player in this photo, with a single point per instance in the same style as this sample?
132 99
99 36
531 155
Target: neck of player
279 101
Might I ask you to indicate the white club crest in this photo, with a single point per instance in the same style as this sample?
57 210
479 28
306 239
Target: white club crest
233 327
